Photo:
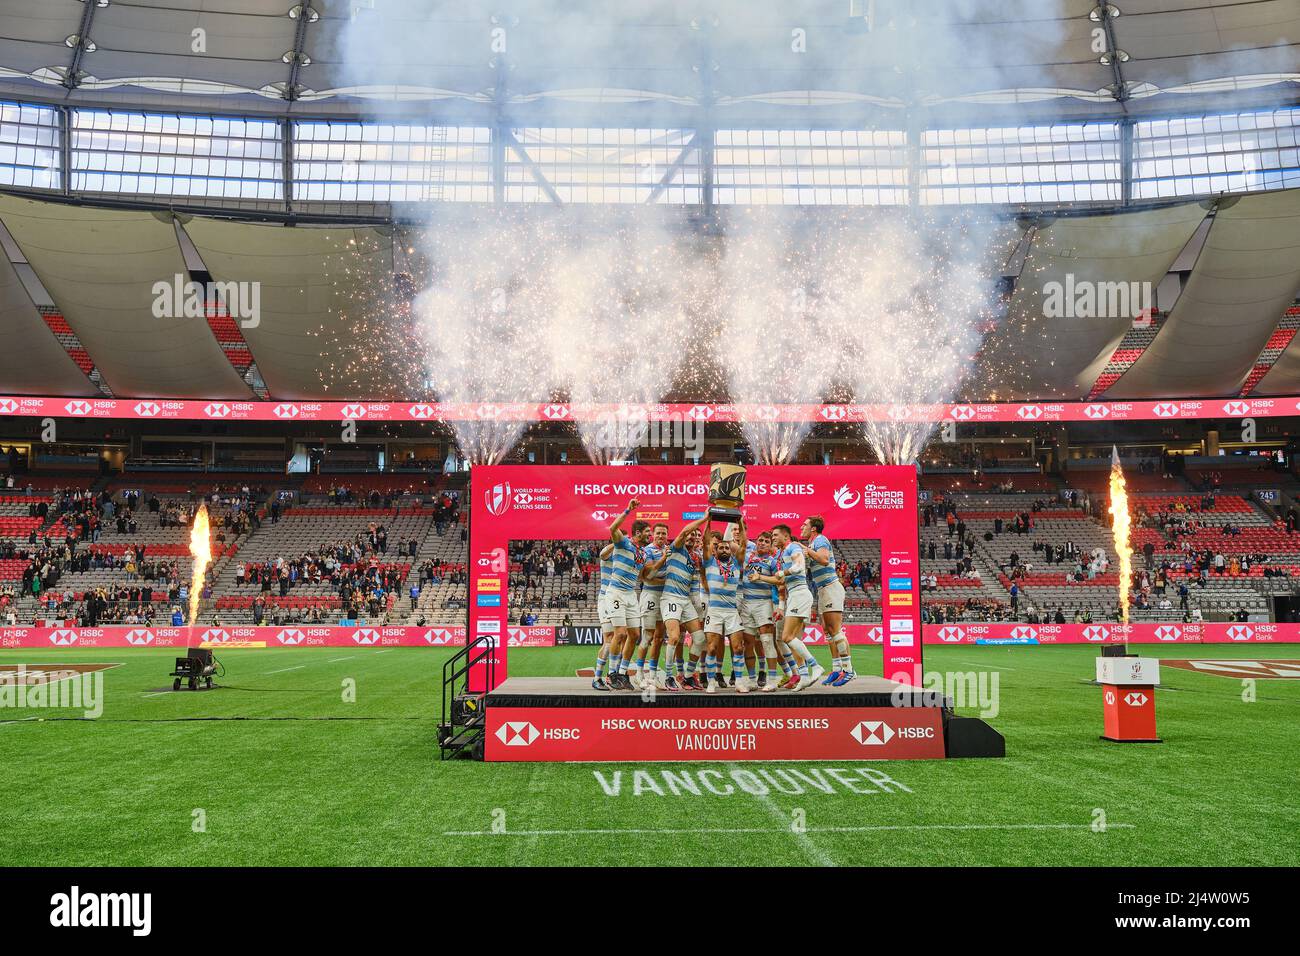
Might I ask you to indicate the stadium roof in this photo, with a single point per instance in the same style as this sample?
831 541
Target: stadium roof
741 56
94 272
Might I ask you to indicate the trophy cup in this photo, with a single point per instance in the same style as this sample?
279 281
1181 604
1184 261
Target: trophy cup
726 491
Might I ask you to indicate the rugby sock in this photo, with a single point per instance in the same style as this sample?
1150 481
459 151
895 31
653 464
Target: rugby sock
600 667
752 670
613 662
787 663
670 659
711 667
691 664
737 666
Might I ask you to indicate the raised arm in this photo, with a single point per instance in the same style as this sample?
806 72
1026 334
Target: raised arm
616 529
680 540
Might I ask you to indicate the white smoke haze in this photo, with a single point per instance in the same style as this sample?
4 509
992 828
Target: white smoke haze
911 299
619 328
478 322
773 346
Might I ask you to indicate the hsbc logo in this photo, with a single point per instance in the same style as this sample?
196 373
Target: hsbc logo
1241 632
354 411
216 410
63 638
78 408
438 636
1024 632
285 411
701 413
1029 412
517 733
488 411
1236 408
872 733
1167 409
366 636
1097 411
1095 632
291 636
1168 632
555 412
147 409
1136 699
215 635
8 406
962 413
834 413
876 634
421 411
899 412
767 413
600 515
951 634
138 637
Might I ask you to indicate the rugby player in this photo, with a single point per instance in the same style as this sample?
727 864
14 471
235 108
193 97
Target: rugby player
723 574
652 628
830 598
602 613
624 608
798 608
756 606
678 610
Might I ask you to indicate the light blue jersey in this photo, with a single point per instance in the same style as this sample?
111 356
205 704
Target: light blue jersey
794 580
723 585
651 585
680 576
822 575
626 561
606 572
756 564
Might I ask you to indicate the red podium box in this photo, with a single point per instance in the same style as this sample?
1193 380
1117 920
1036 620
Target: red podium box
1128 696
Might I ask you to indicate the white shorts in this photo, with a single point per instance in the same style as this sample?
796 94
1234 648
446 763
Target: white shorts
721 622
701 602
799 604
679 609
831 597
623 609
755 614
650 615
602 612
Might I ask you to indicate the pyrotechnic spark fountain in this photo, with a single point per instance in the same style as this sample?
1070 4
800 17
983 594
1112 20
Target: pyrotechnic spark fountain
481 325
618 330
201 551
911 299
775 346
1121 522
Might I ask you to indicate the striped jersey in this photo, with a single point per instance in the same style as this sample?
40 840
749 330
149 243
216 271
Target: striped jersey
680 575
723 581
697 586
606 571
650 585
625 562
822 575
757 591
794 580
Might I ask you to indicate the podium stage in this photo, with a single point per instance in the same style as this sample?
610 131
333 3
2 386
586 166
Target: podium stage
564 719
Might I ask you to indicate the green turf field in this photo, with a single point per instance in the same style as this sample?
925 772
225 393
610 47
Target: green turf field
284 771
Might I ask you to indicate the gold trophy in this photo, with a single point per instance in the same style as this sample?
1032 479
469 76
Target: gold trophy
726 491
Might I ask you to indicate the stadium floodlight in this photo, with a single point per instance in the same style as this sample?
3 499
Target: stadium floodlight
304 9
1107 10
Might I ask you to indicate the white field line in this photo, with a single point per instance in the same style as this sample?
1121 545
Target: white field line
282 670
810 849
883 828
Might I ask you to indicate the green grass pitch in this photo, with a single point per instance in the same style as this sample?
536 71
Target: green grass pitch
279 769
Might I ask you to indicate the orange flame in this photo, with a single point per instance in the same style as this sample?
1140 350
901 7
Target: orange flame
201 550
1121 524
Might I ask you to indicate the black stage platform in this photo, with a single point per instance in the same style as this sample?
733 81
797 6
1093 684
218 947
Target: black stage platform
864 691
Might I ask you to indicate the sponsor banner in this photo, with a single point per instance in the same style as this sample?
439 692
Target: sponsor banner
1148 632
286 636
269 411
713 733
570 636
563 502
535 636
